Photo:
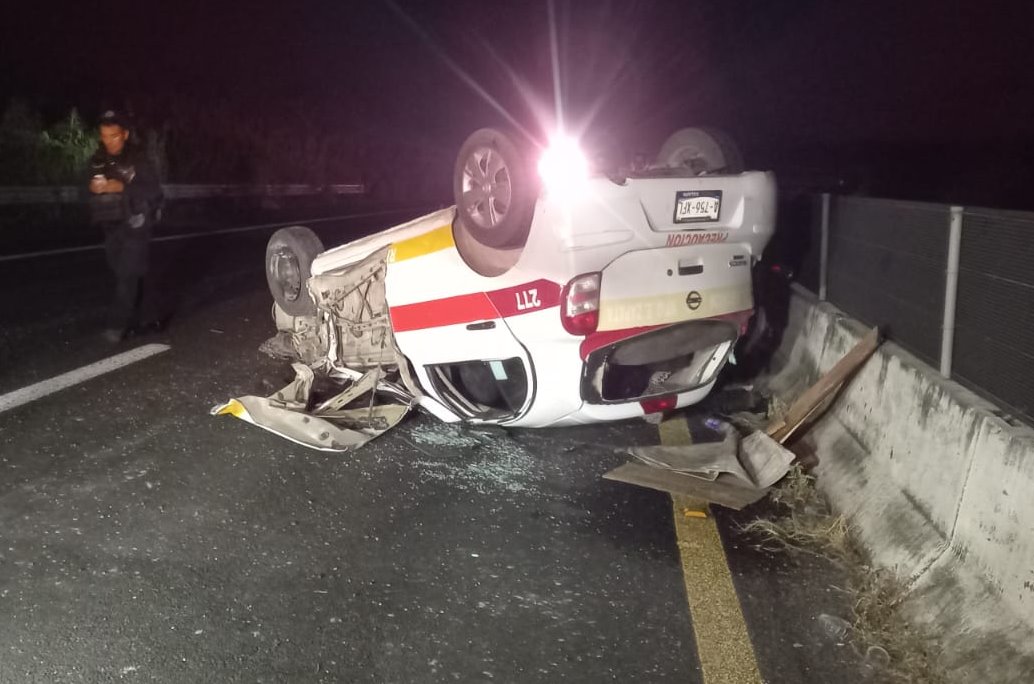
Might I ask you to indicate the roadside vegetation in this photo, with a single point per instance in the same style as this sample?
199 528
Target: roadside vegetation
34 153
211 142
879 631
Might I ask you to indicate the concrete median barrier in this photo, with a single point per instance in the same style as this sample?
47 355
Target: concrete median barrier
937 484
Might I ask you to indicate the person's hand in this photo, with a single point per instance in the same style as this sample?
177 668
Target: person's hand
97 185
113 185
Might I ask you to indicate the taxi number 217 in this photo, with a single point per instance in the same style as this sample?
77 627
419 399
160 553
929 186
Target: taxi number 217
527 299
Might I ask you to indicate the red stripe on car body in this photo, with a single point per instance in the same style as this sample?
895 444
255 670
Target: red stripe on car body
440 312
477 306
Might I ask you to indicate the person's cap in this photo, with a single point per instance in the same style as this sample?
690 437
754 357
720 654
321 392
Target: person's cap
112 118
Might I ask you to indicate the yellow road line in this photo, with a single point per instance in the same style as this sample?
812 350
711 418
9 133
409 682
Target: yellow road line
723 644
675 431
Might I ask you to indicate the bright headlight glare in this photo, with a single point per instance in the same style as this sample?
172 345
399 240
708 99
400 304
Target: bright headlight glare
563 166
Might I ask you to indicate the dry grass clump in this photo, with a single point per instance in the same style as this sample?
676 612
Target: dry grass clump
879 631
879 624
806 523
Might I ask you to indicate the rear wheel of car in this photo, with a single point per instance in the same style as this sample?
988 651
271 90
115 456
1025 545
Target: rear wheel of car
289 256
701 150
494 189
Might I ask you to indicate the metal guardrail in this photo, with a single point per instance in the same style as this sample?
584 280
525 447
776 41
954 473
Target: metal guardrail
73 194
217 231
954 285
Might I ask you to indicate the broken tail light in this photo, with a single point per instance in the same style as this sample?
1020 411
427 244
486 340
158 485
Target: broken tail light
580 304
659 404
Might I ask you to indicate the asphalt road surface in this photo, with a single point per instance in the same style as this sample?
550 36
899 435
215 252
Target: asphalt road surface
143 540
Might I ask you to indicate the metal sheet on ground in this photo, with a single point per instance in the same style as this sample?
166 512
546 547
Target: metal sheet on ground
720 491
326 427
732 472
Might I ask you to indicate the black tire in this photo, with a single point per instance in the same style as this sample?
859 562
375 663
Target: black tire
494 189
289 255
701 150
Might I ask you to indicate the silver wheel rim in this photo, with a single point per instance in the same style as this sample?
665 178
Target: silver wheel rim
284 266
486 188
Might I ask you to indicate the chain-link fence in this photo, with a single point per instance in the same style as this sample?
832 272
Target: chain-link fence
955 286
886 267
994 321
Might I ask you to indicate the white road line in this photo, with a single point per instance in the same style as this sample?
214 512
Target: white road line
65 380
203 233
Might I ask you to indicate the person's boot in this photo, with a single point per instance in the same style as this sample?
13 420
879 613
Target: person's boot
154 326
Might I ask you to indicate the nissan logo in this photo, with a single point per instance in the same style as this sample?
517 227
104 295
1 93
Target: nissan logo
694 300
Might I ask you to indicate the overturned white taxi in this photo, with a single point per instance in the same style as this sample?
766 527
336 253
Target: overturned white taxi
546 296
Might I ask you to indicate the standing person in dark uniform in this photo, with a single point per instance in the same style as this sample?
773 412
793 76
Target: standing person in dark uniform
126 202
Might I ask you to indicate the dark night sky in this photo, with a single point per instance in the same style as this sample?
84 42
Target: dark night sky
811 71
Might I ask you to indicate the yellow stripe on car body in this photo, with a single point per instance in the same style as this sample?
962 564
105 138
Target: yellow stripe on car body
434 240
632 312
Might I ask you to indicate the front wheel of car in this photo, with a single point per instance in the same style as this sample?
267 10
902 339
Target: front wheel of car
494 189
289 256
701 150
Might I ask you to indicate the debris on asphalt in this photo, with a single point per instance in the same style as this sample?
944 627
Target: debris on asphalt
368 407
877 657
743 405
765 460
300 338
817 398
471 459
707 460
735 398
730 472
279 346
836 628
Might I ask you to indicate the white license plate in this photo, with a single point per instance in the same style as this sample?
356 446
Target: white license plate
693 206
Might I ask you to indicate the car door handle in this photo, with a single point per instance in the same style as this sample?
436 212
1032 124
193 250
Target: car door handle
483 325
690 269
